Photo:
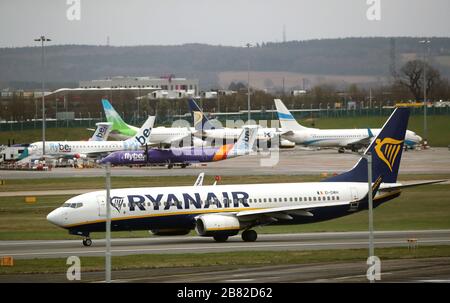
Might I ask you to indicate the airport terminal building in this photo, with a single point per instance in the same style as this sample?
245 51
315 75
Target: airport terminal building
169 84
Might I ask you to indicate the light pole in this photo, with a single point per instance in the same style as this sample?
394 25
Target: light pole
108 224
43 39
425 57
368 158
248 83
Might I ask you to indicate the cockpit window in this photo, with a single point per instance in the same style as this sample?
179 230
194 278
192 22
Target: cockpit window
72 205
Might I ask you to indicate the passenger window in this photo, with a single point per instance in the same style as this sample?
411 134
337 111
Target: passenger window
270 199
328 198
337 198
290 199
310 199
300 199
314 198
295 199
319 198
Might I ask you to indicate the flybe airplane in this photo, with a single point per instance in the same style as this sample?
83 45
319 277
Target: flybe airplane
160 135
208 130
184 156
353 139
100 134
222 211
83 149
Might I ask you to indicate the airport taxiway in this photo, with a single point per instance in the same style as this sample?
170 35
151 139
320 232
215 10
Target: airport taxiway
427 270
295 161
178 245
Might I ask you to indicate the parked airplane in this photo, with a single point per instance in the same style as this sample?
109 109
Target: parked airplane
100 134
185 156
83 149
209 130
222 211
353 139
160 135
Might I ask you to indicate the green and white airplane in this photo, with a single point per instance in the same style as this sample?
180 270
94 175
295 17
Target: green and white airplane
160 135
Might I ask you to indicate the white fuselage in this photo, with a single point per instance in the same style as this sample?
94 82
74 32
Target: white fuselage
163 203
81 148
340 137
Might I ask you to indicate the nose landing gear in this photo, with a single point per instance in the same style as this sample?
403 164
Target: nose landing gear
87 242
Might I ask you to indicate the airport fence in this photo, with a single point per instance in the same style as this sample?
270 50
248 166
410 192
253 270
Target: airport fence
315 113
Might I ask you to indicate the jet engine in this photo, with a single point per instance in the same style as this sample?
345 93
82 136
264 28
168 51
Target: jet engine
212 225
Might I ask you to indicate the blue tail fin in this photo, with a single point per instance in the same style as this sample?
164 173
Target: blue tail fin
200 120
386 150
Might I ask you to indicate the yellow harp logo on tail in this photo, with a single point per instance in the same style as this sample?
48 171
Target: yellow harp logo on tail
387 150
197 118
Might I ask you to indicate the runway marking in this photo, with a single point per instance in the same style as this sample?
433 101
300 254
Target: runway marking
301 236
239 280
216 247
359 276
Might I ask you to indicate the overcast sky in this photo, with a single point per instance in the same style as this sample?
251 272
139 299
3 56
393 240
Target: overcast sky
226 22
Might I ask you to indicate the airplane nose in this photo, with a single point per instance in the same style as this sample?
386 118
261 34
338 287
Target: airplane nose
107 159
55 217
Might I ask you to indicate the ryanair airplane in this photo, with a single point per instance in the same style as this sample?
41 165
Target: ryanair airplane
222 211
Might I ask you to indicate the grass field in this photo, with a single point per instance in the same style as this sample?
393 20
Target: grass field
117 182
438 129
426 207
58 265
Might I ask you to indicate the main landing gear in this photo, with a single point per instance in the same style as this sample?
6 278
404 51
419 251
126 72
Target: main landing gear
87 242
249 235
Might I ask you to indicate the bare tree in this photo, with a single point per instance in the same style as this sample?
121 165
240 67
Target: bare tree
411 76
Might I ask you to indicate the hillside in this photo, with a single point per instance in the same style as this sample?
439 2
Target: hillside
368 58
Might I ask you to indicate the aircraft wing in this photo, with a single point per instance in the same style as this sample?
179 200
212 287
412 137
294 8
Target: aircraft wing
357 142
175 139
284 212
360 142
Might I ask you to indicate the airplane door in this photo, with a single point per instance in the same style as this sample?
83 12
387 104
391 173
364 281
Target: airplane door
354 200
101 201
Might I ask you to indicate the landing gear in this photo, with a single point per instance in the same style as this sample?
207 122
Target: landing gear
249 235
183 165
170 166
87 242
341 150
220 238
